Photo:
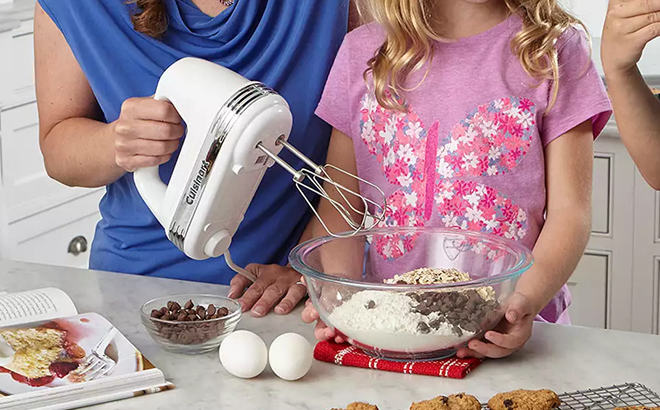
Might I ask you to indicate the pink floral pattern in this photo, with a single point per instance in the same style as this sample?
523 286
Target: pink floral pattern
433 174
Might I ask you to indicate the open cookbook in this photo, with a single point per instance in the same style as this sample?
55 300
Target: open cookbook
52 357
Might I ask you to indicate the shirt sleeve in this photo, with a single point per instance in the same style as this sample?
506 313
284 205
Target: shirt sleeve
581 96
46 6
334 106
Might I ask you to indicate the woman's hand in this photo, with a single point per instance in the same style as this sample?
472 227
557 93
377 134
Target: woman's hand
146 133
629 26
276 286
322 332
509 336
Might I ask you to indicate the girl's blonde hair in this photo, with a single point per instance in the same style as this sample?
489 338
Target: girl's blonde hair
410 31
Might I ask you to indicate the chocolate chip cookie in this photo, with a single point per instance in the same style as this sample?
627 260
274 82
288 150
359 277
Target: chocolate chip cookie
637 408
525 400
359 406
460 401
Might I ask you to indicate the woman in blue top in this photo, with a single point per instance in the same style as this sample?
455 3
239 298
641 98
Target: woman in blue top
98 64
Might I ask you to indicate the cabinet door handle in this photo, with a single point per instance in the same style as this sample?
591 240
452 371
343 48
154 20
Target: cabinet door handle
78 245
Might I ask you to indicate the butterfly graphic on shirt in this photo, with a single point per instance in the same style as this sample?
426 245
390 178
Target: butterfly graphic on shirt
434 174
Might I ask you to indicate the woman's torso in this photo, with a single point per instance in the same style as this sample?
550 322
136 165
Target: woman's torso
287 44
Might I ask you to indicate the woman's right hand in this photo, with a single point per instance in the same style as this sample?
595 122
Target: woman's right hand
322 332
146 134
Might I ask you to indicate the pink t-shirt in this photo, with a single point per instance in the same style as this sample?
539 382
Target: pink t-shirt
469 152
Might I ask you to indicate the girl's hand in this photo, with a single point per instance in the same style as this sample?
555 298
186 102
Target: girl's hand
510 335
146 133
276 286
322 332
629 26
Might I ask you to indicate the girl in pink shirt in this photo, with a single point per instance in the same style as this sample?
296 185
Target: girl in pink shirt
497 103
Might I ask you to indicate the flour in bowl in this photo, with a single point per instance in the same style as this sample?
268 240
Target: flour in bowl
390 321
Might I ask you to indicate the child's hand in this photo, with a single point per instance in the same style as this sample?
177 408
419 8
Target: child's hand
630 25
322 331
510 335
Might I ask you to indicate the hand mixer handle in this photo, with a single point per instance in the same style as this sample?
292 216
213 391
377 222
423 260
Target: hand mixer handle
148 183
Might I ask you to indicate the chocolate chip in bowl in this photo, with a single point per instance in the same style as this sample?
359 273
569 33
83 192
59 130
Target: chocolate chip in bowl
190 324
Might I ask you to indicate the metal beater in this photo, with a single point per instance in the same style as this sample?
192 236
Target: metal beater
312 180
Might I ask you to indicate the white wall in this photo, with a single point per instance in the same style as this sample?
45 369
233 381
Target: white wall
592 13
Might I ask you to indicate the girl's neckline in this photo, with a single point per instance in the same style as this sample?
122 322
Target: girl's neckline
497 29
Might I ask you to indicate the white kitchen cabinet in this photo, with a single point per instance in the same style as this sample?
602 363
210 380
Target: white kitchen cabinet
66 244
602 282
589 289
41 220
646 264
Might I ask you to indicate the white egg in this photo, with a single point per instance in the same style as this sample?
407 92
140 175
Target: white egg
291 356
244 354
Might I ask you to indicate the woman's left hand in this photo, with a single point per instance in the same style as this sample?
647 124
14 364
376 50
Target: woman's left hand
276 287
509 336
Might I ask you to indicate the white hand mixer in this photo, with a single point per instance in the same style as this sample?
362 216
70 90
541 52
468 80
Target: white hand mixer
235 131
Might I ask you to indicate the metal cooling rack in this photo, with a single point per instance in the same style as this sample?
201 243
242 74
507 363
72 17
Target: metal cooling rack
609 398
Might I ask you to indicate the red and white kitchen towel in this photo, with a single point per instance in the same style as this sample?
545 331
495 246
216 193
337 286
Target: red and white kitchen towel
347 355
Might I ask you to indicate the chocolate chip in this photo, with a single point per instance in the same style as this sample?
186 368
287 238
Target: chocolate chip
156 313
181 317
473 295
223 311
471 327
424 310
189 304
508 403
370 305
401 282
211 310
166 332
445 400
423 328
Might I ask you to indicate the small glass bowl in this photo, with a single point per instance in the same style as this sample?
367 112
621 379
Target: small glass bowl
191 337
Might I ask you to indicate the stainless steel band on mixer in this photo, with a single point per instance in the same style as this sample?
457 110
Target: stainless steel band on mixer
223 123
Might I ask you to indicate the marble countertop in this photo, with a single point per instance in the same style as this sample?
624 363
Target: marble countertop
558 357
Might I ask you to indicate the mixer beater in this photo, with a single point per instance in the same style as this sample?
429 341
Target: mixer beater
313 181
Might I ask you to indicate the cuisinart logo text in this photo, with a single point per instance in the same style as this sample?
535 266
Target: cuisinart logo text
197 183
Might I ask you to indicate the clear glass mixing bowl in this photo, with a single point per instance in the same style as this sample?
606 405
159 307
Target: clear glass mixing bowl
349 283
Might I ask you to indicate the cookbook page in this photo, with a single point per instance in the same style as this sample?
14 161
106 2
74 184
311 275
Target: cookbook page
69 353
34 305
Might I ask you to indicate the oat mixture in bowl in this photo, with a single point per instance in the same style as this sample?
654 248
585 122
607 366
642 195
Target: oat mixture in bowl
411 293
